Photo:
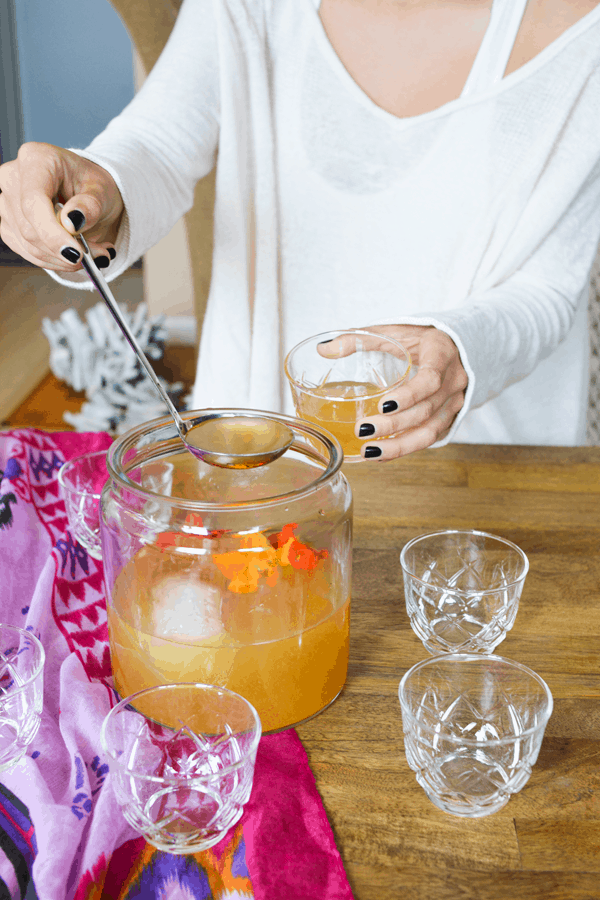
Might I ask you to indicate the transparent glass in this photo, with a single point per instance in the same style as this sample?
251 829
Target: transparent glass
462 589
81 480
182 762
21 692
234 577
336 393
473 728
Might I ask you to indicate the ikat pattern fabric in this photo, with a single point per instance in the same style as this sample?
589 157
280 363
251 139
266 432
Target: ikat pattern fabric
62 834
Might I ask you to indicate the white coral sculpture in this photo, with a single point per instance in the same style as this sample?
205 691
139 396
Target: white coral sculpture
93 356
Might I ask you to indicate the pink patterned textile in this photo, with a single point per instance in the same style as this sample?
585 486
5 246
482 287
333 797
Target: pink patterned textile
60 825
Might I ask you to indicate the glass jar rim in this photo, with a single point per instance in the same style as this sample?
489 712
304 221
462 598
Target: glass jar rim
126 442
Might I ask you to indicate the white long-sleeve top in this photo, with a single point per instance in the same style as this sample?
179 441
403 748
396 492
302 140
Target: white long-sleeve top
481 217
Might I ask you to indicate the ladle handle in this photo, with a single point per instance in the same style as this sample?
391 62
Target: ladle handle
97 279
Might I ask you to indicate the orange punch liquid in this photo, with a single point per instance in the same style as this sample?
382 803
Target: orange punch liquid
243 611
337 406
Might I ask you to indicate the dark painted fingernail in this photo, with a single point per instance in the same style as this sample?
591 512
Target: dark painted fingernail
102 262
70 254
112 252
328 341
366 430
372 452
77 219
389 406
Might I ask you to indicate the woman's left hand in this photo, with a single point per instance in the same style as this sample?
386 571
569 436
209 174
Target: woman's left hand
421 411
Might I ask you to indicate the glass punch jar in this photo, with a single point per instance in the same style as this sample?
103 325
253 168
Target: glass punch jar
234 577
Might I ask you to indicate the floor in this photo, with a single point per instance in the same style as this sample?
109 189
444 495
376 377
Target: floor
27 296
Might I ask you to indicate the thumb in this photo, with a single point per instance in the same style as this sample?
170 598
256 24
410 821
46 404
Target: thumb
344 344
357 340
81 212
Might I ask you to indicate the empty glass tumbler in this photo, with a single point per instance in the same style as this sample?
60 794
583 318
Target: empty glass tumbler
462 589
21 692
81 480
473 728
181 762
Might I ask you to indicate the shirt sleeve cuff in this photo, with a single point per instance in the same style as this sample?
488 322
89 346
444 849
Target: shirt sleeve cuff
126 255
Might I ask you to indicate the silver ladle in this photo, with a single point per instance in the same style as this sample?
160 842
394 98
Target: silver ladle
229 441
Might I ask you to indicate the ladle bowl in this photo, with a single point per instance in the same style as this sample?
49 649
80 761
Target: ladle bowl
233 441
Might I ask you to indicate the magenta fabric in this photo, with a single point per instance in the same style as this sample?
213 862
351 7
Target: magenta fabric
51 586
285 824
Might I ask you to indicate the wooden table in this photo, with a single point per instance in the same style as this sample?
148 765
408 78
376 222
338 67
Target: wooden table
545 844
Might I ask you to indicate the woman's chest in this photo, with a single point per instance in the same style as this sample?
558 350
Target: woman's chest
414 56
409 58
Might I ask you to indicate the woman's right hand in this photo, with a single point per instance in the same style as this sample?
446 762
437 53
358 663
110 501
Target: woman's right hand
31 185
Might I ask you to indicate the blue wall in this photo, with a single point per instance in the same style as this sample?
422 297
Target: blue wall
76 68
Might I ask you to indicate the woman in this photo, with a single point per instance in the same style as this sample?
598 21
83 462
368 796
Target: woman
429 168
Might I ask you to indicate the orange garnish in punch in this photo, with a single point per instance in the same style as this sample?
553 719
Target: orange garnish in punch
254 558
292 552
258 558
244 566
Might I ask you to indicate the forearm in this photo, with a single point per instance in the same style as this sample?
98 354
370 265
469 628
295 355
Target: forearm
501 336
507 331
504 331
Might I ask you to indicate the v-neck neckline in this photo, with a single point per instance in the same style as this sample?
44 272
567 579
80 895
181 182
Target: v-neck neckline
505 83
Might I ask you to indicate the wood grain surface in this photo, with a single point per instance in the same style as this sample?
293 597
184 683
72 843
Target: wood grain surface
545 844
